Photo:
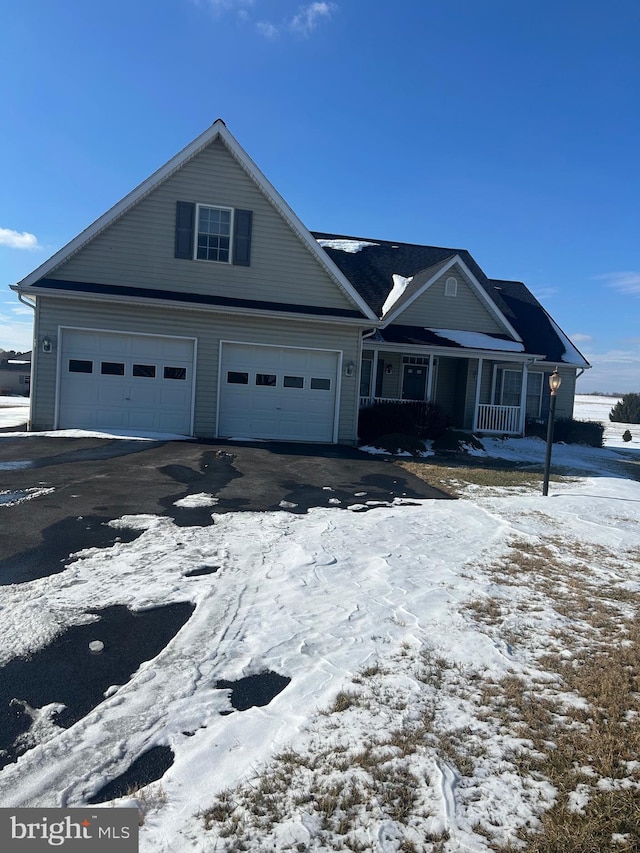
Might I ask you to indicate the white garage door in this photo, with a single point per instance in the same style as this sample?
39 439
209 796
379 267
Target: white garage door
282 393
114 381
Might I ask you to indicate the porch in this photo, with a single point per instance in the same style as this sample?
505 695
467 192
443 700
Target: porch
478 394
501 420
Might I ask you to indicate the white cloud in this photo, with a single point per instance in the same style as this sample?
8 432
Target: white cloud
616 370
15 334
309 17
267 29
303 23
542 294
226 5
18 240
625 282
579 338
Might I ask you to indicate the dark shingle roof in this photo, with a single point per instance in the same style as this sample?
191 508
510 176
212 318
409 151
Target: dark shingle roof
371 269
193 298
538 330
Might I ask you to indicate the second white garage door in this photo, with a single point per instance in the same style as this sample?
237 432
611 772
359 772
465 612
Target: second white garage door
283 393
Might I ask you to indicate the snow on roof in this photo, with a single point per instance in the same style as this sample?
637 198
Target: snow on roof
478 340
400 284
571 355
351 246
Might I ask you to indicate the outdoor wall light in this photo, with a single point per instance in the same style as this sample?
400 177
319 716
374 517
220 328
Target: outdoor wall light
47 344
349 368
555 381
388 369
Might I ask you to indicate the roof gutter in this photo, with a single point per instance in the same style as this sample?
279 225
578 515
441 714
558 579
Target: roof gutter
22 297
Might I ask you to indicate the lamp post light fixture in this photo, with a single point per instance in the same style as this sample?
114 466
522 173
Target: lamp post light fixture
555 380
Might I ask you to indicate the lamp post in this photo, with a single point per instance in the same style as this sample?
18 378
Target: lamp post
555 381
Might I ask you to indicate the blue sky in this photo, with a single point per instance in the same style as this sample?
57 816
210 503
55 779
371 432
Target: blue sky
508 128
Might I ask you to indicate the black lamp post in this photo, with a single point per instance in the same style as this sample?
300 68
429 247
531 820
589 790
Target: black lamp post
555 381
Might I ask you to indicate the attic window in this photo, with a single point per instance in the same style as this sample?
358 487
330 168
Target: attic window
451 286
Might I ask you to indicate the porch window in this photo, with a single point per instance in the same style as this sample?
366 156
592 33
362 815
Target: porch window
534 394
509 387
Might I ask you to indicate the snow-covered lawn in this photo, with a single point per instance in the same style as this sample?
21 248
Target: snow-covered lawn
400 629
14 411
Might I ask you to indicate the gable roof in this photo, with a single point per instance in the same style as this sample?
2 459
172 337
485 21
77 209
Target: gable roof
217 131
371 265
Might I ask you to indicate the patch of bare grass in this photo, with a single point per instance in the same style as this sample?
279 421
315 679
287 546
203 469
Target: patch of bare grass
341 783
584 727
456 479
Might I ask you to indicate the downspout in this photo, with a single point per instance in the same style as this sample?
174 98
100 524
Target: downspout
34 357
26 301
374 365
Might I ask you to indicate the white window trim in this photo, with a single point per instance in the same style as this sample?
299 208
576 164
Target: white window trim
451 286
231 210
497 390
527 395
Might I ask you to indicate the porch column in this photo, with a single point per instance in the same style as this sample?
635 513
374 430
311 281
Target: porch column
374 374
430 378
523 399
477 401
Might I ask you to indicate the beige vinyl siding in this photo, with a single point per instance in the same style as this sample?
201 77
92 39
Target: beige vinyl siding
391 382
138 249
209 328
566 392
466 310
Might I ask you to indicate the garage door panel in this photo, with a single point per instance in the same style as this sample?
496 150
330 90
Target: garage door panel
112 396
291 409
109 394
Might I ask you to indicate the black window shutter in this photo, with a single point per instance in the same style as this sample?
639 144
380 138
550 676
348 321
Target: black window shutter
185 221
242 238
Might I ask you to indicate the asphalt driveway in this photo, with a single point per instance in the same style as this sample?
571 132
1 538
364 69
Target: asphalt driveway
56 494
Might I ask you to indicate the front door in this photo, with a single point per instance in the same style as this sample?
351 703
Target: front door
414 382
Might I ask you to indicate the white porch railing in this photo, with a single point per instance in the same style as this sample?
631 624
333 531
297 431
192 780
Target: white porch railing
504 420
501 419
365 402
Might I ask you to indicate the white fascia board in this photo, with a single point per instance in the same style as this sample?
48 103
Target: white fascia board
295 223
484 296
361 323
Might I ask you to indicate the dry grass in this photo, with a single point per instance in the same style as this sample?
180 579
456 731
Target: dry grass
455 479
584 728
343 787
